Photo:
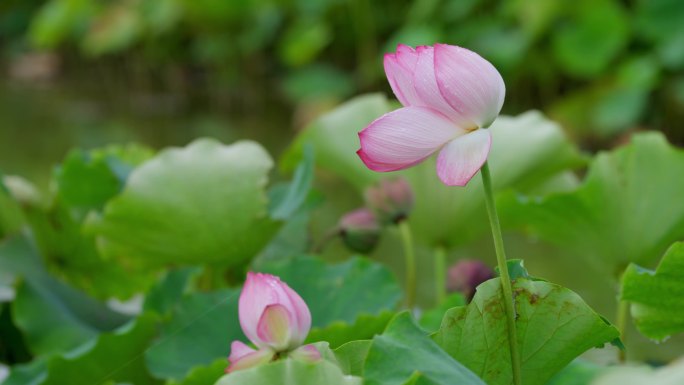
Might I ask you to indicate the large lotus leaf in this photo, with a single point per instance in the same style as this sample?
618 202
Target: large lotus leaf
199 331
351 357
404 354
339 292
203 375
554 326
169 290
337 333
110 357
431 320
527 150
53 316
291 372
88 179
72 255
201 203
85 181
629 208
657 297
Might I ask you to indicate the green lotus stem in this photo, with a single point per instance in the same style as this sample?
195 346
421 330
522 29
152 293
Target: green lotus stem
622 316
410 256
440 274
503 271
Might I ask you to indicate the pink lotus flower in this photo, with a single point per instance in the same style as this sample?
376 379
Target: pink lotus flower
275 318
449 94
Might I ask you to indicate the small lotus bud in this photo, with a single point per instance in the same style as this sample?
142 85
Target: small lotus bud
360 230
391 200
465 275
275 318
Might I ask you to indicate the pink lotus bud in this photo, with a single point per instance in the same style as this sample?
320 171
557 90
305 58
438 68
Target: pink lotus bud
243 357
465 275
360 230
391 200
274 317
449 94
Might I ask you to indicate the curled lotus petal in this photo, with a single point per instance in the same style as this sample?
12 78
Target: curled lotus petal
463 157
307 353
301 315
243 357
399 68
405 137
469 84
238 350
427 89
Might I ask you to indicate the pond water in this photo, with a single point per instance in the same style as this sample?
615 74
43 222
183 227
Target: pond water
40 121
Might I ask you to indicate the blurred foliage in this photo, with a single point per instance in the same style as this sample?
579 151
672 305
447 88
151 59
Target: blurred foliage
117 221
600 67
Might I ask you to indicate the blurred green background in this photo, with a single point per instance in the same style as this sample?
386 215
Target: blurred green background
84 73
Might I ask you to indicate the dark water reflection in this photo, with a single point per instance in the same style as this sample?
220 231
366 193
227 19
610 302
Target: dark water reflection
41 121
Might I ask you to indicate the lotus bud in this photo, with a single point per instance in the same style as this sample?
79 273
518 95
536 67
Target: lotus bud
465 275
391 200
275 318
360 230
